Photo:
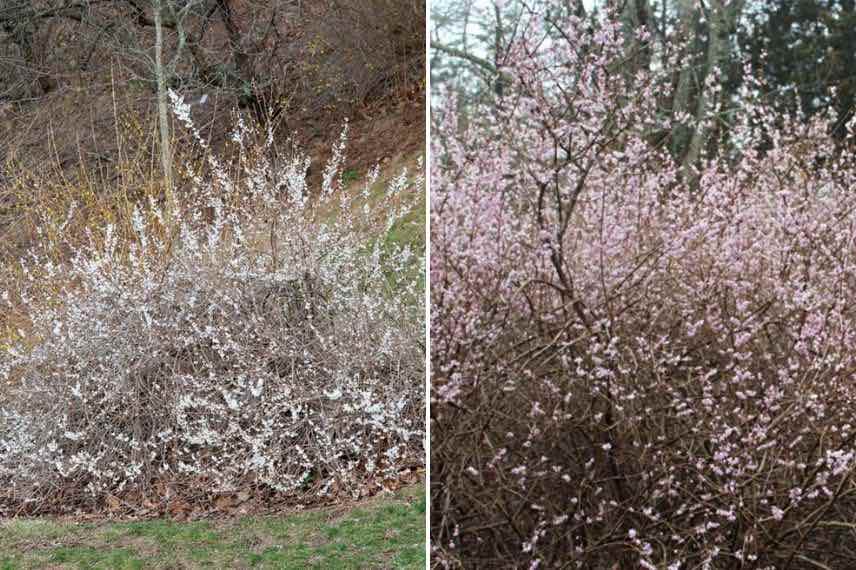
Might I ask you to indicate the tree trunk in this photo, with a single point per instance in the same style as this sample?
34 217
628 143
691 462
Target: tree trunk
723 17
163 119
683 92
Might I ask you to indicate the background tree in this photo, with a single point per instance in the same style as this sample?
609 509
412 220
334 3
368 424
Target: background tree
804 49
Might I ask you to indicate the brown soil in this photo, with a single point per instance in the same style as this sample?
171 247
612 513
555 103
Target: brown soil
380 133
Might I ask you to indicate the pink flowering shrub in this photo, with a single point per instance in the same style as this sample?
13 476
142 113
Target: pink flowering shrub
276 347
637 365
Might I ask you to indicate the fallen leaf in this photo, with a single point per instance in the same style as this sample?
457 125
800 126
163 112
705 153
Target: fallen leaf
113 502
224 503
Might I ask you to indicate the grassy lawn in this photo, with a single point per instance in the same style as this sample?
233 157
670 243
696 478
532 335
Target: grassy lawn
385 532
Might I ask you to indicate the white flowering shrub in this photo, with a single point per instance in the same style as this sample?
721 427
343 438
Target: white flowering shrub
255 335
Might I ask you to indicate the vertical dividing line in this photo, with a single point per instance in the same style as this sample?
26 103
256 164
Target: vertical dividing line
427 167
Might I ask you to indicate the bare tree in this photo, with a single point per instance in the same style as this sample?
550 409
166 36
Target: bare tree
163 121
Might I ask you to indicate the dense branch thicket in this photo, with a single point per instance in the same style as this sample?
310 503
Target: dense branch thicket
262 336
257 53
637 363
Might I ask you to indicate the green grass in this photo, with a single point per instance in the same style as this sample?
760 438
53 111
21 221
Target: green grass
382 533
349 176
408 231
411 229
